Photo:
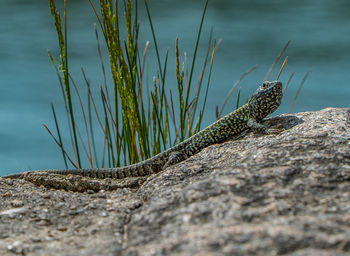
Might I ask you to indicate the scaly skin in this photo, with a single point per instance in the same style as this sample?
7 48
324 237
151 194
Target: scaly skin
263 102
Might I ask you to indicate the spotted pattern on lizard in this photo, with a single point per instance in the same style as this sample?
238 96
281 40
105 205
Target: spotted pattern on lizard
263 102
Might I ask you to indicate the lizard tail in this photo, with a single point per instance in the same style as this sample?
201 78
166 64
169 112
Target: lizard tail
14 176
103 173
137 170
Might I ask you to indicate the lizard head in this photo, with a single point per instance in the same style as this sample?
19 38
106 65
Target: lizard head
266 99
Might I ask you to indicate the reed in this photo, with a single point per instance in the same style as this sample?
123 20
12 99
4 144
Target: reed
135 125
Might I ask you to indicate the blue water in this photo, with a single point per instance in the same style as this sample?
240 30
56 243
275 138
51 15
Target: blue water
252 32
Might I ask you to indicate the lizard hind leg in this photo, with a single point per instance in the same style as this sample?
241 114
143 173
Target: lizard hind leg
174 158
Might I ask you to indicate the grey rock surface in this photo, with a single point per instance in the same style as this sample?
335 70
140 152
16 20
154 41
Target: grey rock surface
282 194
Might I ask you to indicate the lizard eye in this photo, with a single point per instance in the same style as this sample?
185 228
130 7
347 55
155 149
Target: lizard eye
264 85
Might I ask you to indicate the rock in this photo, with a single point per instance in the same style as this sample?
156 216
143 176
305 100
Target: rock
284 194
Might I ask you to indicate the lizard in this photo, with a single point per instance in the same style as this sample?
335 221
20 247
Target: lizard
264 101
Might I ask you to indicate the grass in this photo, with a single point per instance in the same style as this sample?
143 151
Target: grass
135 125
136 121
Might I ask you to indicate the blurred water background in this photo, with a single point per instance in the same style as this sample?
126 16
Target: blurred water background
252 32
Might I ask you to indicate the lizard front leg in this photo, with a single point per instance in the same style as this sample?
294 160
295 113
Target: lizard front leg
261 128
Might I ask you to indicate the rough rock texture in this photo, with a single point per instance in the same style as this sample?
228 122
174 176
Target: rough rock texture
284 194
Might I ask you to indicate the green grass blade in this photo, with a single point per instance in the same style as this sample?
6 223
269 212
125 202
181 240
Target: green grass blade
154 38
57 142
207 87
195 50
198 89
64 68
59 136
88 151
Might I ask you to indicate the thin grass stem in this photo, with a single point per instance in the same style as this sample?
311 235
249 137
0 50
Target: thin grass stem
298 91
59 136
282 67
60 145
276 60
288 82
233 88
